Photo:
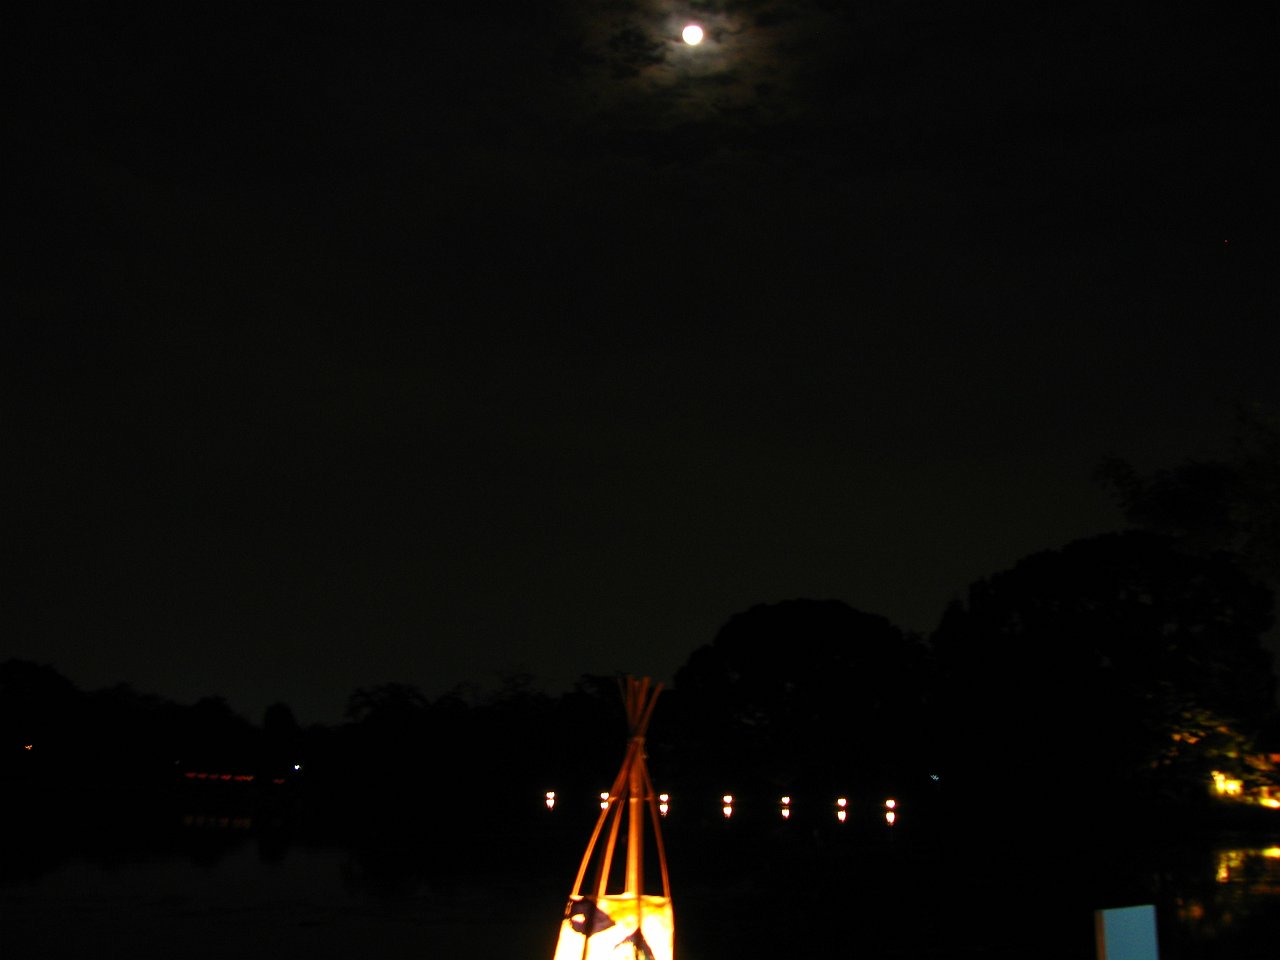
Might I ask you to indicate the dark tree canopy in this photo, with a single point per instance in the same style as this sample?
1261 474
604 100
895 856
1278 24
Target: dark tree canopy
1229 505
803 692
1075 666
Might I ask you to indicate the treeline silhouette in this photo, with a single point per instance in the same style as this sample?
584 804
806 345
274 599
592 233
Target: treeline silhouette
1118 670
1092 685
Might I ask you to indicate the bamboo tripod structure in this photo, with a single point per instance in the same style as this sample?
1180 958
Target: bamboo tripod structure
633 785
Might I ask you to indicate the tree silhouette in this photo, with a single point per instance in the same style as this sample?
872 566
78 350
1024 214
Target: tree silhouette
1227 505
1069 672
803 693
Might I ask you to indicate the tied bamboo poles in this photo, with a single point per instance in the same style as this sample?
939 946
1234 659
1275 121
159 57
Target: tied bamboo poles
598 923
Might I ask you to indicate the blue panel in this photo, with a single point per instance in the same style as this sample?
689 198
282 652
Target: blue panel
1127 933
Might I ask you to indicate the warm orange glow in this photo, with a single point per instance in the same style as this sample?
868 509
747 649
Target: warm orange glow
604 801
727 809
889 817
629 919
1271 802
1227 786
841 815
786 813
551 799
891 803
28 746
664 803
841 802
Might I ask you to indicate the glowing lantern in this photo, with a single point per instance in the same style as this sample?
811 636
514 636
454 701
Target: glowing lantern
664 803
551 799
616 917
785 808
1225 785
842 809
727 809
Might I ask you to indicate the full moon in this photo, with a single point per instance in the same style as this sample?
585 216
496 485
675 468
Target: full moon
692 34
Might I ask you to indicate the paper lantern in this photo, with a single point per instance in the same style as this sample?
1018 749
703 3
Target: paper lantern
613 915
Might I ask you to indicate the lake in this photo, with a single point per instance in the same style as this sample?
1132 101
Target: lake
186 884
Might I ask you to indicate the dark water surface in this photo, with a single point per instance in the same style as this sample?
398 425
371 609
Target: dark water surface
194 885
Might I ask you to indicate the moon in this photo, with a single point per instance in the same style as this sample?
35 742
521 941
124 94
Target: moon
691 34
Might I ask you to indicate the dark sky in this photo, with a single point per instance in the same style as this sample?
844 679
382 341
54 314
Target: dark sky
364 342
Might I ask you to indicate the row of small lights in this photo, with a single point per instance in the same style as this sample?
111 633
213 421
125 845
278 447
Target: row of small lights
784 806
231 777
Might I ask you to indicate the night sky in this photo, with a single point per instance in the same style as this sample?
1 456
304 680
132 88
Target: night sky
354 343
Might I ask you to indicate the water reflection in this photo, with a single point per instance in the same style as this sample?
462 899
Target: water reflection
1216 902
1234 888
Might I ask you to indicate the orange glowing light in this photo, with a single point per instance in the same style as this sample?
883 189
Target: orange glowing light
889 817
551 799
841 815
28 746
